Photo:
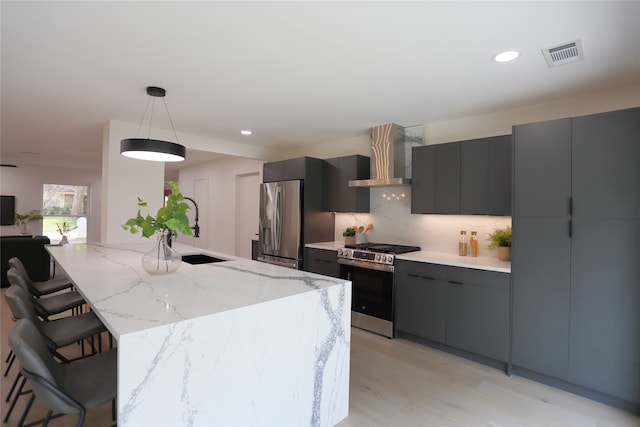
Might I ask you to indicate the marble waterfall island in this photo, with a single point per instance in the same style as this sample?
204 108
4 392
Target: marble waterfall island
231 343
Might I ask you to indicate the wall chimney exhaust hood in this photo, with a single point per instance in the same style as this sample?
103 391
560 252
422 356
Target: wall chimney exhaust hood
387 158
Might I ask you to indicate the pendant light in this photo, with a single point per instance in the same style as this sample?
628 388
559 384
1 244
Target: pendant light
153 149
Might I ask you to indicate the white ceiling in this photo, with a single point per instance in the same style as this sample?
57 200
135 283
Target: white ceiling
296 73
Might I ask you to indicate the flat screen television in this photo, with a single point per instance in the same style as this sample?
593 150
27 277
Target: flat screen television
7 210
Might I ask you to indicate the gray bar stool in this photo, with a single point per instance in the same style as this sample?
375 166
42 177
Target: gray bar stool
57 333
64 388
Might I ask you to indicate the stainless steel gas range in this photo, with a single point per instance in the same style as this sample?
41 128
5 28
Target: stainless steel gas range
370 267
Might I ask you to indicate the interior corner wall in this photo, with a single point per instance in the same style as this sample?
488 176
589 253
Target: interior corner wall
220 225
123 181
500 122
25 182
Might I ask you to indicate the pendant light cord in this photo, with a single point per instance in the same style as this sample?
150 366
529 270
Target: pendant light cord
144 114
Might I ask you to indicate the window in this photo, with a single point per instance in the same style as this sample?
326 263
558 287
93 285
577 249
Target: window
68 204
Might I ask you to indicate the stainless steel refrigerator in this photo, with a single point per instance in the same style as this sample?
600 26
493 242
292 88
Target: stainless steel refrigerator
280 234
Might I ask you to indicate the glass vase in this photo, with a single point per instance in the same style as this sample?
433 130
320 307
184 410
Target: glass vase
162 258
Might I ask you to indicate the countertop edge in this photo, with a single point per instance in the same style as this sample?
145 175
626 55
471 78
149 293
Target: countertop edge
432 257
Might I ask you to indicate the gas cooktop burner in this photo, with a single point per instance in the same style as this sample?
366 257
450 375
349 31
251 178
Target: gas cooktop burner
384 248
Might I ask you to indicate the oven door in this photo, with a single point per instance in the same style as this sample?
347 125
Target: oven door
372 298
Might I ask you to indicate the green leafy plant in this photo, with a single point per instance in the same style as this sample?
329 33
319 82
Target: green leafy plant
23 219
349 232
500 237
171 217
65 227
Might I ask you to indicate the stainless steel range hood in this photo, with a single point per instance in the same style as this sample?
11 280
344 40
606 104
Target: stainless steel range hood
387 158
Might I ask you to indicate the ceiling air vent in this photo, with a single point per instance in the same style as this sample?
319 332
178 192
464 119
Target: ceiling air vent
564 54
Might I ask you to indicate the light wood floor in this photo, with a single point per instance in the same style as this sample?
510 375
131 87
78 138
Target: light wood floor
400 383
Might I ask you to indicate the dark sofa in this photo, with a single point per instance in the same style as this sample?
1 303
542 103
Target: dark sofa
31 251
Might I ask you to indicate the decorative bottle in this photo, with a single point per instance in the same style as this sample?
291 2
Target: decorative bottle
463 245
473 244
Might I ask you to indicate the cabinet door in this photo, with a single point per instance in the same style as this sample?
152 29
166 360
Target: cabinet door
605 314
284 170
478 312
540 273
321 261
542 178
474 177
500 175
606 165
423 179
353 199
420 300
448 178
541 247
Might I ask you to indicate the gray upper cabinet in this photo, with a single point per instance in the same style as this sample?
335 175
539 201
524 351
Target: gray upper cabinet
423 178
500 175
447 178
285 170
575 275
542 169
467 177
606 165
474 179
339 197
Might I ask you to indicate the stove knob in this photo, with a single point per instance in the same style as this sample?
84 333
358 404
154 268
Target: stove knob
378 257
339 251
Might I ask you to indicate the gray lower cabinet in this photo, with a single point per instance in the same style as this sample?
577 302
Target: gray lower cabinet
420 299
466 309
478 312
322 261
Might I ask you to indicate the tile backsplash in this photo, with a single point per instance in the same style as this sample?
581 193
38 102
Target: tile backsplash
393 223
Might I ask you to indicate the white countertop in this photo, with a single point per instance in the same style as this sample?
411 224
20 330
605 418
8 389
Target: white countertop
127 299
444 258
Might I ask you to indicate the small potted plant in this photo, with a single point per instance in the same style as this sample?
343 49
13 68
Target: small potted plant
23 220
349 236
169 220
64 228
500 239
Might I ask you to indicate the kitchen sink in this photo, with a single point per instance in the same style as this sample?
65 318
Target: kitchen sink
200 259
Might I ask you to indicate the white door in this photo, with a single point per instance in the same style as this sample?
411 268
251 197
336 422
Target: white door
247 212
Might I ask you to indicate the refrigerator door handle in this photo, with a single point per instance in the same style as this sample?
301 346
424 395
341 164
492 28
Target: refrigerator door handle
276 227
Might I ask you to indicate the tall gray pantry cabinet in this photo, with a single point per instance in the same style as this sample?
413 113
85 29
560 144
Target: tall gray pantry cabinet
575 261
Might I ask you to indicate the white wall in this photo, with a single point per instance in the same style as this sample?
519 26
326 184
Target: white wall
218 227
124 180
25 182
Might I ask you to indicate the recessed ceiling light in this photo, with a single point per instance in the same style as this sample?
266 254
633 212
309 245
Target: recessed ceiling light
506 56
246 132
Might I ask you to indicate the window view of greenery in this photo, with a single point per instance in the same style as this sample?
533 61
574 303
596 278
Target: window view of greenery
64 208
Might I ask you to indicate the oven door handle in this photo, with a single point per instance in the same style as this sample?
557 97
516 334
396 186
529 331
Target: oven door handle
366 265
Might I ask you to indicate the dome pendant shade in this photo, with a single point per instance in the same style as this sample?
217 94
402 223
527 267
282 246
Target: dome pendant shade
152 149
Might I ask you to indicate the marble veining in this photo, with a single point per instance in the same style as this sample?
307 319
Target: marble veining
231 343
